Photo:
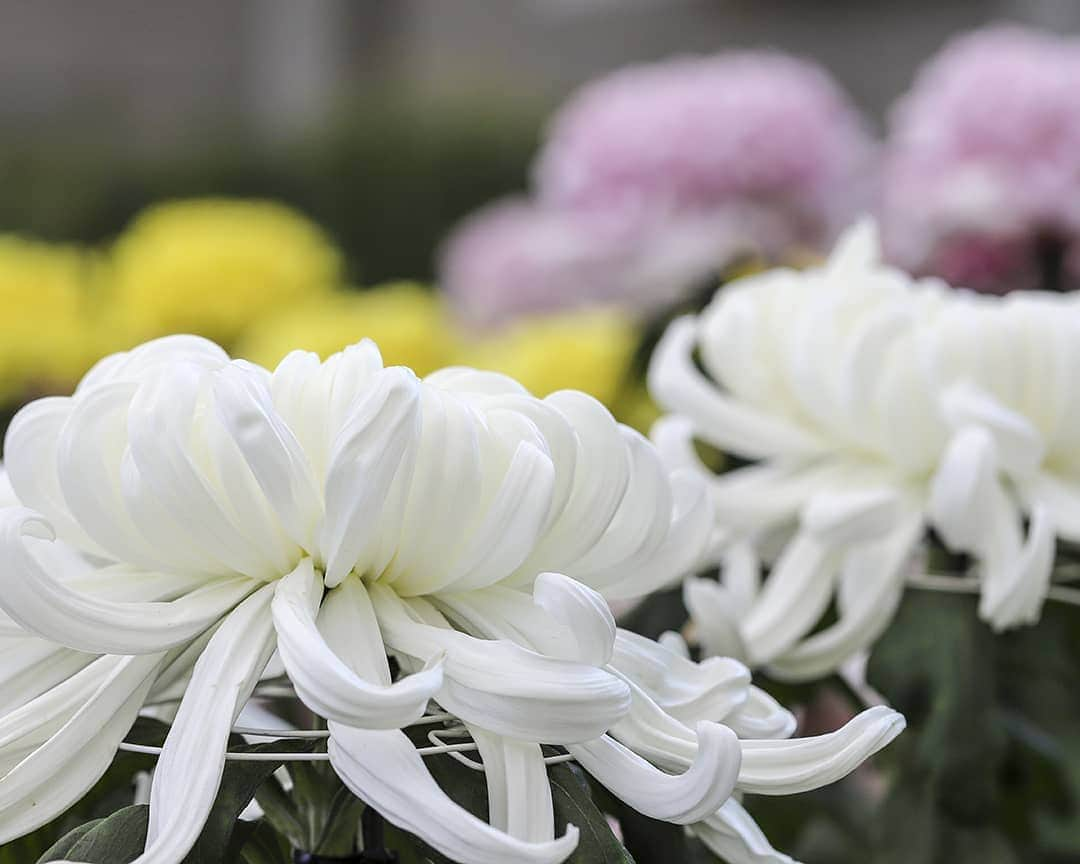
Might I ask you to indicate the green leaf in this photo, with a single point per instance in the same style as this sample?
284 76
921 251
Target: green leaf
573 803
62 847
117 839
265 846
238 785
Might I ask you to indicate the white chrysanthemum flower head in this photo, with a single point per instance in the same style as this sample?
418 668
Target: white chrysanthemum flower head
183 515
873 408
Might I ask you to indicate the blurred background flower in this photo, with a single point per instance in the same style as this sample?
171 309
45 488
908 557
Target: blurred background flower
209 265
656 177
982 178
47 337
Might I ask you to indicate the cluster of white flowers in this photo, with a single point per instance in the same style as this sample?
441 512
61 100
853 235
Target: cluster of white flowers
182 516
873 409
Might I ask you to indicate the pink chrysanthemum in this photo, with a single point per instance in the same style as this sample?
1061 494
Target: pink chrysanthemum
517 257
655 176
708 134
983 167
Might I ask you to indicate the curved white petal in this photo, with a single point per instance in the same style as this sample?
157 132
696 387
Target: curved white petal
323 680
84 622
793 599
684 548
584 612
519 794
383 769
678 386
686 690
1019 445
716 618
30 447
1015 578
280 466
679 798
76 728
733 835
501 686
32 666
961 487
189 769
855 516
787 767
377 441
872 585
761 716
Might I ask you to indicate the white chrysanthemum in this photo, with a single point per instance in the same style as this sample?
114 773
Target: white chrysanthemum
183 515
874 408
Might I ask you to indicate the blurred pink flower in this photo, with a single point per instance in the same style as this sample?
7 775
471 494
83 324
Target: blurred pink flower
701 135
654 177
983 164
517 257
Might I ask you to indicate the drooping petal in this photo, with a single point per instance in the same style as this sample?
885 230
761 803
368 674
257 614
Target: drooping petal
383 769
679 798
191 763
84 622
733 835
501 686
676 383
872 585
961 488
787 767
519 794
761 716
1015 577
32 666
323 680
1018 444
687 690
73 731
794 597
716 618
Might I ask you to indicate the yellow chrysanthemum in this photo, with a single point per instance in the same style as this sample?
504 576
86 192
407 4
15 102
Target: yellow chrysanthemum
209 266
408 323
46 342
588 351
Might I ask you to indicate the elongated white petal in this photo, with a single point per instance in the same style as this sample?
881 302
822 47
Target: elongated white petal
733 835
322 679
377 441
1061 498
584 612
871 588
512 522
383 769
273 454
193 758
1019 445
961 487
676 383
687 690
30 451
60 771
680 798
841 518
32 666
787 767
501 686
794 597
47 607
716 618
1015 577
761 716
519 794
